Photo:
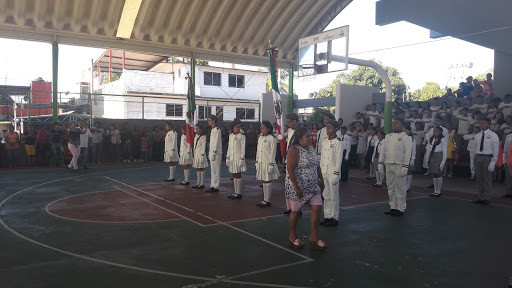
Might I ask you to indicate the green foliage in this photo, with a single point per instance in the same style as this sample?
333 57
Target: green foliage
115 77
430 90
366 76
318 114
483 76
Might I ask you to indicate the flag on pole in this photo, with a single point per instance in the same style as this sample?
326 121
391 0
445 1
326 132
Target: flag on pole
278 111
191 112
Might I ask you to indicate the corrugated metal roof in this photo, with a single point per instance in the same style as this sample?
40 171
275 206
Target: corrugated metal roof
235 31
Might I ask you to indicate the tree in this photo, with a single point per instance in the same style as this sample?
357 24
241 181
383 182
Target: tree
366 76
483 76
318 114
430 90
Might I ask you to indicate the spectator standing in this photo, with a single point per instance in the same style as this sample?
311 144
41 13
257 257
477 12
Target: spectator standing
479 105
451 147
477 89
97 142
85 142
157 144
149 139
467 87
126 143
471 148
396 155
74 145
143 148
136 135
314 132
12 144
55 138
292 123
30 146
506 105
486 156
115 141
42 146
304 182
492 109
464 121
488 84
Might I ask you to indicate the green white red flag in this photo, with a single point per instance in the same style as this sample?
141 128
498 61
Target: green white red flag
191 112
278 111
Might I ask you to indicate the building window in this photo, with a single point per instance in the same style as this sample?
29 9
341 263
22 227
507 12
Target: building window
237 81
245 113
219 113
203 112
211 78
173 110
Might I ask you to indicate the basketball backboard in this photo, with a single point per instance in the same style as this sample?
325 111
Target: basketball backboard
323 53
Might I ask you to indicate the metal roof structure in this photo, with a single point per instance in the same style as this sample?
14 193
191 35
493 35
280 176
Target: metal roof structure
128 60
235 31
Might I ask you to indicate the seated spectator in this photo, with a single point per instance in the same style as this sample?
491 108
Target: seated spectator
506 128
448 94
428 120
467 87
496 122
469 103
506 106
475 120
479 105
488 84
435 107
456 108
413 119
445 111
493 108
426 106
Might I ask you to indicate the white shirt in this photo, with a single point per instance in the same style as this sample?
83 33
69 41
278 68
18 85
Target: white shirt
346 142
266 149
464 124
353 140
372 117
377 149
370 142
84 138
507 129
97 135
442 147
430 133
456 111
429 123
444 112
434 110
215 142
506 108
290 133
491 112
491 144
330 159
481 107
471 144
320 136
418 136
236 147
171 143
396 149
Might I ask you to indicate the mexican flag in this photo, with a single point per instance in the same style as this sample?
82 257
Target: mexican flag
278 108
191 112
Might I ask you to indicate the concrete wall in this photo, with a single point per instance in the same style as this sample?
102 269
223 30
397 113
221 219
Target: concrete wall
502 74
351 99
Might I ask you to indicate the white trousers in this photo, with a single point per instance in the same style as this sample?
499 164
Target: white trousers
75 151
396 187
215 171
331 195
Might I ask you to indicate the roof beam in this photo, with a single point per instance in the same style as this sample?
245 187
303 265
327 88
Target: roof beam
128 17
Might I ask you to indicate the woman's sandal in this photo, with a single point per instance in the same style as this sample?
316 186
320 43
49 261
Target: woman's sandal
296 244
318 244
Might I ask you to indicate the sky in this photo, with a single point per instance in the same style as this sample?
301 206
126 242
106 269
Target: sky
23 61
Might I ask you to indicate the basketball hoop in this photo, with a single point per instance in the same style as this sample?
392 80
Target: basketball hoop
307 71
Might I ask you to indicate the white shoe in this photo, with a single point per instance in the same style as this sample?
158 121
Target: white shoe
426 174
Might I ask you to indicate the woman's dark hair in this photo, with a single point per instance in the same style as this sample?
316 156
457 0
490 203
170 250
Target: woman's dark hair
438 139
170 124
381 133
201 128
502 119
269 127
315 124
236 121
298 134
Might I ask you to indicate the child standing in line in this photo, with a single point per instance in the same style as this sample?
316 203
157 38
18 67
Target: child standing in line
266 168
376 152
186 157
200 161
330 164
171 151
235 158
436 157
143 148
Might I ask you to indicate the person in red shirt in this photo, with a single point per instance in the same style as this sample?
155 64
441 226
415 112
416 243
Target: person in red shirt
42 145
12 143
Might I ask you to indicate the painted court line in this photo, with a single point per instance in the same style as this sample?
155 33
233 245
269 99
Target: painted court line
222 223
8 228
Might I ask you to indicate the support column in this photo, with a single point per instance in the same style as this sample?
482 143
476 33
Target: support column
290 91
109 65
30 106
55 75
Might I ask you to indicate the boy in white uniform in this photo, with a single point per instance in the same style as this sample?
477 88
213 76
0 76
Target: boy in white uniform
171 151
330 164
322 134
215 154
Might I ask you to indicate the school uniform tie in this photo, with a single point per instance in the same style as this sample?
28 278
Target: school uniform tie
482 142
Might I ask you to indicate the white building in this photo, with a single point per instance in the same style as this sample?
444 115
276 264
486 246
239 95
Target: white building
158 91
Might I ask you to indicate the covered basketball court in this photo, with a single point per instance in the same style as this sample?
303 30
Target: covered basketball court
121 226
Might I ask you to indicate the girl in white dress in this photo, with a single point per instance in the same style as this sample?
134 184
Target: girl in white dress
362 137
235 158
186 157
266 168
171 150
200 161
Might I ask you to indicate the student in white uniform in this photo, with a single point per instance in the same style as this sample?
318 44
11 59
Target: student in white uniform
171 151
396 155
428 121
291 121
486 155
215 154
408 131
345 139
436 155
372 139
235 158
186 157
471 148
322 134
330 164
266 167
376 153
200 161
